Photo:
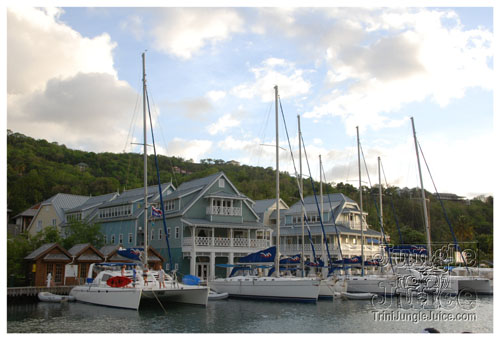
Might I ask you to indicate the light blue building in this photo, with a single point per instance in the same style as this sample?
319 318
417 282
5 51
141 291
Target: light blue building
208 221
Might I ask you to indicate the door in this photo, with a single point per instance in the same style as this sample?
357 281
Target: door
202 271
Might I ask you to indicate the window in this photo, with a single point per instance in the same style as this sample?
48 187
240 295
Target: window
105 239
176 232
221 183
168 232
152 235
54 222
176 266
113 239
130 238
160 234
120 238
59 273
119 211
83 269
39 226
169 205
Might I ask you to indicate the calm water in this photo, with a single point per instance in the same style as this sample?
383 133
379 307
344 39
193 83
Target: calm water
248 316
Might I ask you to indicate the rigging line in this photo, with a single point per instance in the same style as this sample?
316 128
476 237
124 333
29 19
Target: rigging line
263 134
392 206
301 194
442 205
322 172
159 186
317 204
165 143
375 203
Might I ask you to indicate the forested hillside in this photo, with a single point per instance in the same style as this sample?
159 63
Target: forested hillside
38 169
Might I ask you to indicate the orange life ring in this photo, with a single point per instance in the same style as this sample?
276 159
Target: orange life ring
118 281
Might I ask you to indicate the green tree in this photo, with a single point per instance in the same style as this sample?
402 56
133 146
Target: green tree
81 232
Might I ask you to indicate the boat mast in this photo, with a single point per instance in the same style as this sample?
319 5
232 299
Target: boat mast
302 260
424 203
277 257
361 208
321 211
380 195
145 160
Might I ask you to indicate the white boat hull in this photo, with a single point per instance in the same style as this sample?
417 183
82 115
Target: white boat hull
49 297
195 295
269 288
382 285
358 296
475 284
129 298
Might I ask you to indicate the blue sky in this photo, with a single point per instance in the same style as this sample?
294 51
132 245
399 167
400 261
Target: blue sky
74 76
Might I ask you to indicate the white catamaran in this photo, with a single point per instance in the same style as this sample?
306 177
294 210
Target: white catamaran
111 284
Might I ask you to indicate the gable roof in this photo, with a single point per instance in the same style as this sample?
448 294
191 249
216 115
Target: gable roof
62 202
78 249
92 202
261 206
44 249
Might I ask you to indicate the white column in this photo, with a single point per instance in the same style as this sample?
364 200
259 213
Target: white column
211 274
213 236
231 237
230 261
192 267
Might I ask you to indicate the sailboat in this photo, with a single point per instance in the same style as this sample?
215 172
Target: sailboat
127 285
446 282
382 284
273 287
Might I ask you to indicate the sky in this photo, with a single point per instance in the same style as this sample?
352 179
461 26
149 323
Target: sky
74 77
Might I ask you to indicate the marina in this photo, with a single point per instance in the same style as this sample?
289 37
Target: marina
246 316
194 226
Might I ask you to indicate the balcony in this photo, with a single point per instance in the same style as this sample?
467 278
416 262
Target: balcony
224 211
347 249
224 242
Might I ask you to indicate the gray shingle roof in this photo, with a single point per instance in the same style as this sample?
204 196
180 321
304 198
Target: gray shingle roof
62 202
93 202
199 182
56 257
39 251
261 206
77 248
106 250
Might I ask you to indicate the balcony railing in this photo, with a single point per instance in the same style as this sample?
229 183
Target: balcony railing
346 248
225 211
224 242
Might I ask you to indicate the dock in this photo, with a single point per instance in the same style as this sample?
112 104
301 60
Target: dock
31 293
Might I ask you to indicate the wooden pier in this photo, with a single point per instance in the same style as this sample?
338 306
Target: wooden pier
31 293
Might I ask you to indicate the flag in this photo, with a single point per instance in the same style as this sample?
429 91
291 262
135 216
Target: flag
155 212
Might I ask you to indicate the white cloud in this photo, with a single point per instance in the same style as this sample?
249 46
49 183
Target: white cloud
189 149
134 25
223 123
85 111
419 57
215 95
62 86
41 48
274 71
183 32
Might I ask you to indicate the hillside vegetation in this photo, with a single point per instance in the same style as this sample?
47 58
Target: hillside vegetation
38 169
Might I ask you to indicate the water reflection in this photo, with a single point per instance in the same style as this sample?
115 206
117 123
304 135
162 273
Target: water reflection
228 316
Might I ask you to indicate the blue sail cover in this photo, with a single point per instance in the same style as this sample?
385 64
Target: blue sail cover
352 260
295 259
408 249
317 263
266 255
131 253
